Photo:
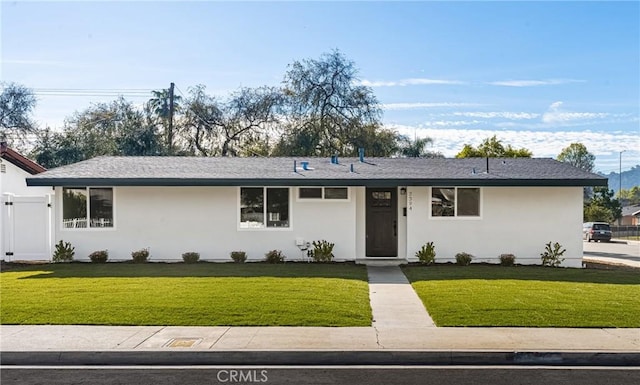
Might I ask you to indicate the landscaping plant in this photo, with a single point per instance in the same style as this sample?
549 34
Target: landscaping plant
274 256
427 254
190 257
99 256
239 256
463 259
507 259
552 255
322 251
140 256
64 252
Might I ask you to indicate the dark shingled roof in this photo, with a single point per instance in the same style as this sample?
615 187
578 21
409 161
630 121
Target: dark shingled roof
228 171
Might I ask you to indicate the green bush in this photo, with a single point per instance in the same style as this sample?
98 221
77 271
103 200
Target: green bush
507 259
64 252
140 256
190 257
322 251
427 254
463 259
239 256
552 255
274 256
99 256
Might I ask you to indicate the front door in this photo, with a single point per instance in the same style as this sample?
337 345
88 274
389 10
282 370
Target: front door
382 222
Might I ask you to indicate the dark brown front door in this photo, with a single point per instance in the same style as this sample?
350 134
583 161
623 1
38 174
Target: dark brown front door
382 222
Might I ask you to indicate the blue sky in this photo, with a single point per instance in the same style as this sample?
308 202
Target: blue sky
536 74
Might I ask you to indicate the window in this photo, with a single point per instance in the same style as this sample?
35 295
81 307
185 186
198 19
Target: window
257 213
455 202
77 202
326 193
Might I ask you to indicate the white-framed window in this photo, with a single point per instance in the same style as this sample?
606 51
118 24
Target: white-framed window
460 202
87 207
264 207
323 193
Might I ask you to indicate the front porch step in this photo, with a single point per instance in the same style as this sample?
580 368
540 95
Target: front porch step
381 261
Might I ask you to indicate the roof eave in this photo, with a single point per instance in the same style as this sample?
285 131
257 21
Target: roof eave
166 182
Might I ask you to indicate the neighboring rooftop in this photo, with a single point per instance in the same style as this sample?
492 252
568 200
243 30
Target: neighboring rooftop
20 160
631 210
233 171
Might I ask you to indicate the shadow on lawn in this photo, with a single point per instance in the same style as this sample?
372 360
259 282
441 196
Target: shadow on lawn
202 269
526 273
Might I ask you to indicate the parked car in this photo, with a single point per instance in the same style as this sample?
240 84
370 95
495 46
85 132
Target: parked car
596 231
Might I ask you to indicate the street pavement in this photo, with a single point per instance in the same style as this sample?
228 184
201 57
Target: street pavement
616 252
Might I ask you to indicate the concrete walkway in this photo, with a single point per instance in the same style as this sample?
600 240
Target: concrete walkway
394 303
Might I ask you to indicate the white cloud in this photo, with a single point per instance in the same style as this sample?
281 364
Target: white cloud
414 106
501 114
408 82
533 83
451 123
547 144
555 114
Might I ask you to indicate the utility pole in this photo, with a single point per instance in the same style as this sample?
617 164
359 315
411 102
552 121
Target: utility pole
170 133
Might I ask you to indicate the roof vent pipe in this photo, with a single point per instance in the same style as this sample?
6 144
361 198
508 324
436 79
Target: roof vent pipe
361 154
487 165
352 167
295 166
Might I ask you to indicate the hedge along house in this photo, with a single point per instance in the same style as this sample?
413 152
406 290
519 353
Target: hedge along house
373 209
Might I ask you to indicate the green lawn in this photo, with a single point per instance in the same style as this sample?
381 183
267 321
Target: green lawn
204 294
528 296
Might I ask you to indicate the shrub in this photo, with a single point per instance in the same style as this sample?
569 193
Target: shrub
322 251
552 255
140 256
274 256
190 257
99 256
239 256
463 259
64 252
507 259
427 254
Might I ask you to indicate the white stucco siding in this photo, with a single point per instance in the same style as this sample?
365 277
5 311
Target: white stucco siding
517 220
174 220
13 181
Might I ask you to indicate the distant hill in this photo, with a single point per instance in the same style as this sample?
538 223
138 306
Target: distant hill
630 178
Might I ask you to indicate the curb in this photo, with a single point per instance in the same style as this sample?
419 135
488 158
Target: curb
329 358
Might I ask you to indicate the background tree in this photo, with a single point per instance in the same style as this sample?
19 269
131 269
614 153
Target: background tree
629 197
493 148
328 111
230 127
159 109
602 207
115 128
577 155
16 106
416 148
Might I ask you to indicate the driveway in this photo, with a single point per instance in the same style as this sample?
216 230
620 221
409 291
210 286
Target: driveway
616 249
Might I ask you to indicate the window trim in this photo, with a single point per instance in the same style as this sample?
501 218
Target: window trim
265 228
89 228
455 216
323 199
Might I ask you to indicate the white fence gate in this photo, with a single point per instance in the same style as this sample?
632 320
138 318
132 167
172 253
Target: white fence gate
26 228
